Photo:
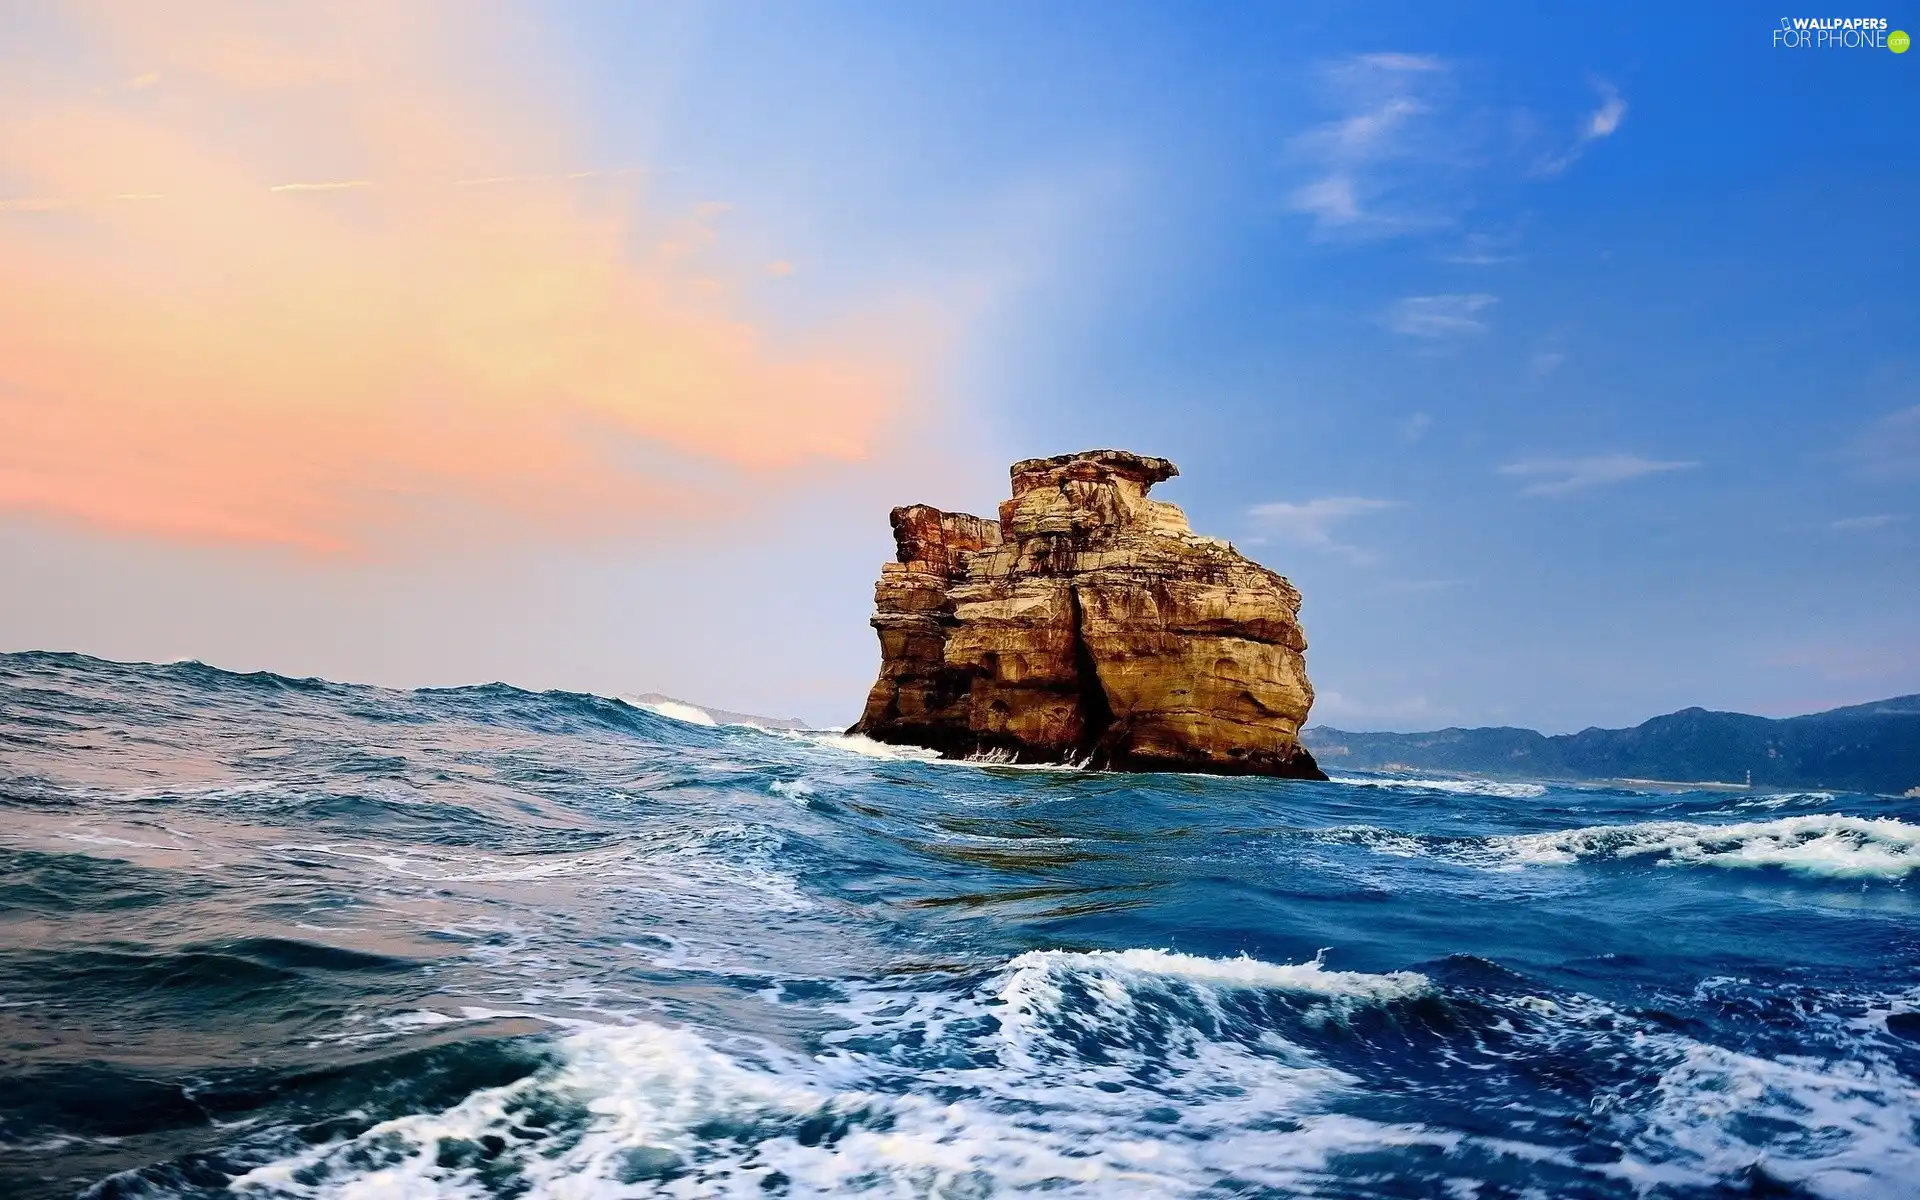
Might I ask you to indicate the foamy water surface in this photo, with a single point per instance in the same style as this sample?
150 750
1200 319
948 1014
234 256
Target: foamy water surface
263 937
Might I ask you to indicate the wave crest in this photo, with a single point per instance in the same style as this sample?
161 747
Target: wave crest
1006 1094
1825 845
1308 978
1452 787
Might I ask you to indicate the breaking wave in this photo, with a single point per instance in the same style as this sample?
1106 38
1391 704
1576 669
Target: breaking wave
675 710
1821 844
1453 787
1129 1073
1140 1050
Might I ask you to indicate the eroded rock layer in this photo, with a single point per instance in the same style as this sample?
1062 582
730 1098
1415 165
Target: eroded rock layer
1088 624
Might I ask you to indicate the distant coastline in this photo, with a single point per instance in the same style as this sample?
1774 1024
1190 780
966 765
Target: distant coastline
1872 748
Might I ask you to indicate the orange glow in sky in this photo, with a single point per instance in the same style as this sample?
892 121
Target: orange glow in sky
272 276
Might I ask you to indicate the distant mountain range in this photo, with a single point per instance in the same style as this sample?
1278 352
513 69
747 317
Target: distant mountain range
1862 748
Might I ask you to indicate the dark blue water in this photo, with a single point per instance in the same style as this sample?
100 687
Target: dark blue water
272 937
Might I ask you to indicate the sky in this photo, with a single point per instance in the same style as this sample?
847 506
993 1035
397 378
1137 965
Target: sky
1564 357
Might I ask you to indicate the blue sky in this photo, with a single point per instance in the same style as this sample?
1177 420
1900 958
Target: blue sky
1565 360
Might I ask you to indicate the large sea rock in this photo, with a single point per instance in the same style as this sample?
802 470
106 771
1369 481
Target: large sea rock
1088 624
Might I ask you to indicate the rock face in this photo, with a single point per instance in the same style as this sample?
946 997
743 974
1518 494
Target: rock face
1088 624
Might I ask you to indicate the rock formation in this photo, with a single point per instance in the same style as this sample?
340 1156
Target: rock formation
1088 624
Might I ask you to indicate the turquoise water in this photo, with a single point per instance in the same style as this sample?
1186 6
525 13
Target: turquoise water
273 937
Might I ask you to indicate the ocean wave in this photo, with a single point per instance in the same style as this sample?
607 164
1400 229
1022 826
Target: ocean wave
1825 845
732 863
1828 1121
866 747
1783 799
674 710
1821 844
1123 1073
1309 978
1771 802
576 949
1004 1091
1454 787
1835 1129
1225 1039
647 1108
1387 841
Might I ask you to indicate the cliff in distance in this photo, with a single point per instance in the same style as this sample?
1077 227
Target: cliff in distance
1088 624
1863 747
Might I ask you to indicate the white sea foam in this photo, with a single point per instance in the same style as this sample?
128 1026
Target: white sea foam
1125 1073
1308 978
866 747
1771 802
649 1093
419 1018
1000 1095
675 710
1837 1129
100 839
1005 759
1456 787
1784 799
1380 841
1698 1115
737 861
1823 844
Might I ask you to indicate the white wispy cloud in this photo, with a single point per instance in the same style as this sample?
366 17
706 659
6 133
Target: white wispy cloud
1356 162
1480 248
1875 521
1415 427
54 204
1549 355
1601 123
1411 142
1312 523
1559 476
1394 61
330 185
1439 316
1606 119
1888 450
1331 201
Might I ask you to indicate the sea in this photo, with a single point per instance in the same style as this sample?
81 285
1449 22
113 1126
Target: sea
274 937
